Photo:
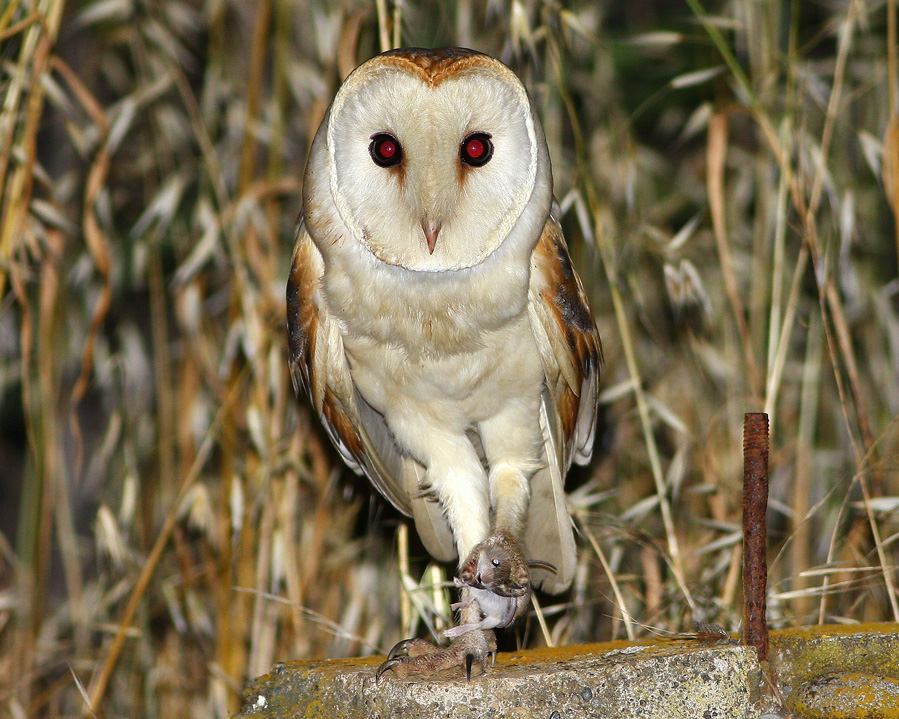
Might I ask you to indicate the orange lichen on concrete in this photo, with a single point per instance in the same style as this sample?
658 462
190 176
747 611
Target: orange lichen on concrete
801 655
847 695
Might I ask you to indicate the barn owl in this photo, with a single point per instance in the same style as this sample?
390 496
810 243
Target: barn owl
440 331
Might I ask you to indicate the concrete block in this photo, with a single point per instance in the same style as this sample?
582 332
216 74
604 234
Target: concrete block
677 679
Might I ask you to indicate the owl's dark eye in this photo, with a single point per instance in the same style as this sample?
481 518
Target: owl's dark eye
476 149
385 150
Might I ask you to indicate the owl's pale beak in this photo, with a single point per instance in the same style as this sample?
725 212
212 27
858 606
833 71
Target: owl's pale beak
431 228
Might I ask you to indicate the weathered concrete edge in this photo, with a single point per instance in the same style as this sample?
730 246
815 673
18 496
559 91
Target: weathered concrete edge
670 679
665 682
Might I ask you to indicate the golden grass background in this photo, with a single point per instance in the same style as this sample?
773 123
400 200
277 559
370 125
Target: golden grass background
172 523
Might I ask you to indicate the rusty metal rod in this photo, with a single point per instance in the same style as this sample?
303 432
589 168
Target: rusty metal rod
755 531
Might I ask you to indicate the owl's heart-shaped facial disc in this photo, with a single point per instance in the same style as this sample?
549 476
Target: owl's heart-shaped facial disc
432 162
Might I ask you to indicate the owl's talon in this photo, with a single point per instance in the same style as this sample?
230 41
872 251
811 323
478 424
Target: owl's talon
403 651
397 650
423 658
413 647
385 666
426 492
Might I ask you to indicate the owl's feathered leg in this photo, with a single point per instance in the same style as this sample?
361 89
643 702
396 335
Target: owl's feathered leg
494 577
495 569
418 657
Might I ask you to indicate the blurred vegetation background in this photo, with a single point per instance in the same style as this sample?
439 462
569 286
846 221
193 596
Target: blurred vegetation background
173 522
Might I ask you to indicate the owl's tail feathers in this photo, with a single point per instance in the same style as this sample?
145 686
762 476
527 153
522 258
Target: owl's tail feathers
430 521
401 480
549 533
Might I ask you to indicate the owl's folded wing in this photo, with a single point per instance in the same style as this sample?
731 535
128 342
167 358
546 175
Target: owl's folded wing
318 363
571 352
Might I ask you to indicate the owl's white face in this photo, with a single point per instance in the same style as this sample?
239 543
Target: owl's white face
431 164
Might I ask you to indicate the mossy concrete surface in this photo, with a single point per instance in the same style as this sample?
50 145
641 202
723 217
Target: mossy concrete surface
847 695
839 672
660 679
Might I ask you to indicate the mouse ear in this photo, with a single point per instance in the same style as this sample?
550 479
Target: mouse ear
543 565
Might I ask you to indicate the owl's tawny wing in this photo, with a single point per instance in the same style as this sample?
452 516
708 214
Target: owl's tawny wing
571 352
319 365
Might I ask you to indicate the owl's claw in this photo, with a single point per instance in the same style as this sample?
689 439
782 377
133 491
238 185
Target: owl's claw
427 492
419 658
411 648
